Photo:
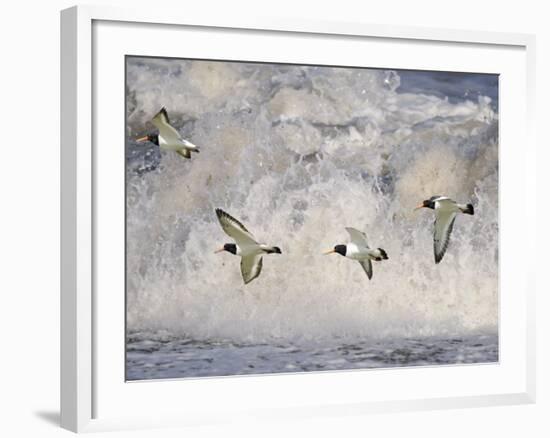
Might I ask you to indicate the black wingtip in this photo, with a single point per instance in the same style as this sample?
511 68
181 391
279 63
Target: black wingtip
165 114
220 213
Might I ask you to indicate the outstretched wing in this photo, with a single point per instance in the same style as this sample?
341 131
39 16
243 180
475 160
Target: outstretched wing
166 131
251 266
162 116
367 267
233 228
358 237
443 226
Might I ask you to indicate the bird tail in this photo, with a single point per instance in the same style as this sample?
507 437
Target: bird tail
190 146
468 209
273 250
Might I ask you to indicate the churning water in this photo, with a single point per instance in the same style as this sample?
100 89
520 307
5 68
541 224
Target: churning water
298 153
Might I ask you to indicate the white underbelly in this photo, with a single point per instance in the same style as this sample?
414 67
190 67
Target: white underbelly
171 146
356 253
249 250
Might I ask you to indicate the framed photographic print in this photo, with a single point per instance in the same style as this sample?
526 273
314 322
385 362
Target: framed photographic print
265 218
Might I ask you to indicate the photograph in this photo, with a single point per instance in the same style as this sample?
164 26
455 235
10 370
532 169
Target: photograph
290 218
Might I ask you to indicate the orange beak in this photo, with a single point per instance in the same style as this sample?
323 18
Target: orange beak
329 252
142 139
419 207
219 250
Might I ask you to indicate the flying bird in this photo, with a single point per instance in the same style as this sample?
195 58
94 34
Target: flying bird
445 214
245 246
168 138
358 249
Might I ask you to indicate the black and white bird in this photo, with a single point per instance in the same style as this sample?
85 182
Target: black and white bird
168 138
358 249
245 246
445 214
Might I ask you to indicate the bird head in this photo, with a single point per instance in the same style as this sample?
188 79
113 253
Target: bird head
338 249
229 247
428 203
153 138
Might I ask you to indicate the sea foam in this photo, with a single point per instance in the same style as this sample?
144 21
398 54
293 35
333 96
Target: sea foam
298 154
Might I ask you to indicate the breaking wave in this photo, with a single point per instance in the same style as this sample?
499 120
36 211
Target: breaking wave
298 153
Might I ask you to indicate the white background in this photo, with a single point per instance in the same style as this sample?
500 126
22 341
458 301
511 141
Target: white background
29 218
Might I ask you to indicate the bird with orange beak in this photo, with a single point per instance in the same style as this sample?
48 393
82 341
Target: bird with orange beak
245 246
168 138
445 214
358 249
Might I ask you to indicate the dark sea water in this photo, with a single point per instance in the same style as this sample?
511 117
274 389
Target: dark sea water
457 87
161 356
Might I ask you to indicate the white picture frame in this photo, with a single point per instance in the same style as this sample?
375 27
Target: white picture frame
85 374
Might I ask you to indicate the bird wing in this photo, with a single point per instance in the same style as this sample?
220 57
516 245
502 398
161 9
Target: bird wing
233 228
185 153
367 267
251 266
166 131
443 226
358 237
